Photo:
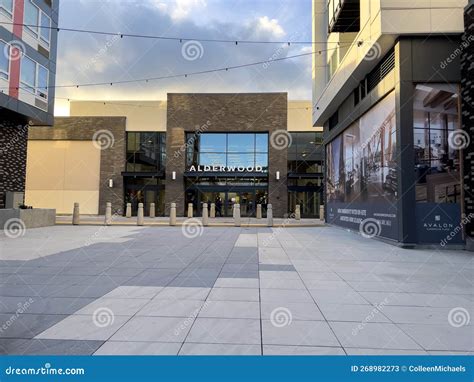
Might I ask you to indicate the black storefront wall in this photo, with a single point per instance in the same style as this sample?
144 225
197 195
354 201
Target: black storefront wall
402 219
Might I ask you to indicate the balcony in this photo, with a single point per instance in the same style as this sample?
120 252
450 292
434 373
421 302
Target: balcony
344 16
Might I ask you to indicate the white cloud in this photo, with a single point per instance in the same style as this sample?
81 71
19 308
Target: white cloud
179 9
266 25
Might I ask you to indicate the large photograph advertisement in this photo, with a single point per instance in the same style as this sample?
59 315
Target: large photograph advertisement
361 187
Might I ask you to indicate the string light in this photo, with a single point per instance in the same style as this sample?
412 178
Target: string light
156 37
185 75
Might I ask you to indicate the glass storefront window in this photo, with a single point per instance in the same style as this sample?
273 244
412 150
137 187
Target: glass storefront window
248 150
305 154
436 115
146 151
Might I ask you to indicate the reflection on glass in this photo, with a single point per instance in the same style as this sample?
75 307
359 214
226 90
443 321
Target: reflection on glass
436 115
261 143
210 142
211 159
240 143
243 160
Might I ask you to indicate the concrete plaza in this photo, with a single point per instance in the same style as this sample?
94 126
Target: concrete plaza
228 290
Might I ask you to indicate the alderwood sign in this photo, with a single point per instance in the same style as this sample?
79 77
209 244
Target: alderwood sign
225 169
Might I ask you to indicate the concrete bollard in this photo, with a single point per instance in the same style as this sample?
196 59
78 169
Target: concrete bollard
190 210
298 212
108 214
152 210
140 219
213 210
173 214
269 215
321 212
128 210
75 215
205 215
237 214
259 211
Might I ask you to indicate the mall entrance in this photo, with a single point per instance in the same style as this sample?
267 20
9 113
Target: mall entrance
225 198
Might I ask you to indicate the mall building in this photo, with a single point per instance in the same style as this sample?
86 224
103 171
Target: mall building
246 148
392 87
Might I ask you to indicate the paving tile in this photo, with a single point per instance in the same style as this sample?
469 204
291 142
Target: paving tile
117 306
154 329
246 240
43 305
281 284
441 337
223 330
26 325
171 308
83 327
353 313
47 347
279 275
192 282
302 350
356 351
138 348
233 294
306 333
230 309
373 335
285 295
219 349
418 315
299 311
183 293
222 282
335 296
132 292
277 268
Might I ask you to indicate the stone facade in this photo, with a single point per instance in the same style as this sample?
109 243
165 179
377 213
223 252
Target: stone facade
227 112
110 132
13 145
467 92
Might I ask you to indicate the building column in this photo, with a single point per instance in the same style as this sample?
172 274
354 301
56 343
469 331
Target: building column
406 190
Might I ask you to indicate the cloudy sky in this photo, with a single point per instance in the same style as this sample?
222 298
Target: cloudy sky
85 58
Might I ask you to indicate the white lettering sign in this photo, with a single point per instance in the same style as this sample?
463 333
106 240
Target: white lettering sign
225 169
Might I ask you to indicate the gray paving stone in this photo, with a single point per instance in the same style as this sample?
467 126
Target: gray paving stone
230 309
138 348
171 308
233 294
302 350
47 347
223 330
219 349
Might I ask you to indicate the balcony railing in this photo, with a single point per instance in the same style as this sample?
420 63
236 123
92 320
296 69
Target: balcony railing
344 16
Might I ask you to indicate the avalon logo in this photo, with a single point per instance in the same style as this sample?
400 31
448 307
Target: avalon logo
200 168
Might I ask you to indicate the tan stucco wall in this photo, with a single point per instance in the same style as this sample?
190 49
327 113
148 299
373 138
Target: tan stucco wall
141 115
300 116
59 173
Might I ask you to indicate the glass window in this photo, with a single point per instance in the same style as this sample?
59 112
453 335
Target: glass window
3 61
240 160
6 7
45 31
261 160
31 17
28 73
212 159
240 143
144 152
43 74
213 143
261 143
